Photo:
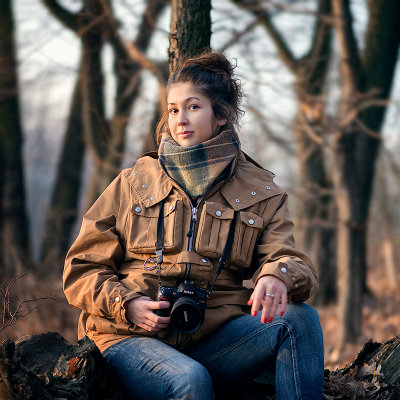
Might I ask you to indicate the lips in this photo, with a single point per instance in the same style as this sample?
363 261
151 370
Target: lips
185 133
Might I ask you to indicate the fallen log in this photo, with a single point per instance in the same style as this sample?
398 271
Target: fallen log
47 367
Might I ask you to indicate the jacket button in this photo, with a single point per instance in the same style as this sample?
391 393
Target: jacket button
283 270
237 201
117 299
268 187
152 198
296 285
144 186
251 221
253 193
218 213
135 173
171 207
204 260
138 209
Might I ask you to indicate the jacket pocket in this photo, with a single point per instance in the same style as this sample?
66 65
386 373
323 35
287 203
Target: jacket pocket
246 234
212 235
142 228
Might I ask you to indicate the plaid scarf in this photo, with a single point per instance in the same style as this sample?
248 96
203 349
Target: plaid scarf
197 168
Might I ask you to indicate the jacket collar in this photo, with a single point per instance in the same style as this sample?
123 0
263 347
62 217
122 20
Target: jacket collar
248 185
149 180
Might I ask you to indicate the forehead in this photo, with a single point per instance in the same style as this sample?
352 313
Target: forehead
183 91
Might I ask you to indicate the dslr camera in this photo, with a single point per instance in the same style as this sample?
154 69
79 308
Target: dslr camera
187 305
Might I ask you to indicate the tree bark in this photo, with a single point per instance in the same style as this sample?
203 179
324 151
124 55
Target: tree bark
15 230
190 30
366 83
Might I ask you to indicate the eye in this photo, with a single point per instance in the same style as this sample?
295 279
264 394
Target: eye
193 107
172 111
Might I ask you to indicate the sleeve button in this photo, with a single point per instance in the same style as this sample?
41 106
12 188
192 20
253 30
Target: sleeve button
204 260
268 187
253 193
237 200
144 186
171 207
283 270
117 299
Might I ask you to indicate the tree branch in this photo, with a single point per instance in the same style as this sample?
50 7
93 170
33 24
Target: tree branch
65 17
352 70
265 21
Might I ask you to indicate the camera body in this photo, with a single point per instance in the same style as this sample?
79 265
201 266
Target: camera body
187 305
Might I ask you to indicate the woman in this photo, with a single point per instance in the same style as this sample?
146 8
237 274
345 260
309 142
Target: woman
159 263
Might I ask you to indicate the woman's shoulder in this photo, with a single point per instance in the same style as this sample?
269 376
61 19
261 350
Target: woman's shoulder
249 184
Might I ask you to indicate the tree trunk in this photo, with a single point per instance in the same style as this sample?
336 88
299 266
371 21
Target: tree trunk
190 30
128 90
15 231
63 209
357 142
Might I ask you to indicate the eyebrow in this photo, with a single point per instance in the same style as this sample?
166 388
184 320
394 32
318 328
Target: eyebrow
188 99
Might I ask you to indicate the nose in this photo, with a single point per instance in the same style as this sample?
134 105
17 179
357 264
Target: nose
182 120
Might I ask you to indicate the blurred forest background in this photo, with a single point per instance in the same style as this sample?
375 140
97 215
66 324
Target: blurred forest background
80 83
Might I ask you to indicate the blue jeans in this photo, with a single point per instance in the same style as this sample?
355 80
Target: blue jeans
290 347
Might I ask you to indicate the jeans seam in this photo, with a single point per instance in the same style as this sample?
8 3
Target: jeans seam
294 362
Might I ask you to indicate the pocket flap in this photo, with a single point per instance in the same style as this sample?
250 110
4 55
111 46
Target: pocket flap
154 211
251 219
219 211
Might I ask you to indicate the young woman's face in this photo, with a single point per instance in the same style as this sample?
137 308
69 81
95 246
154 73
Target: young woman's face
191 119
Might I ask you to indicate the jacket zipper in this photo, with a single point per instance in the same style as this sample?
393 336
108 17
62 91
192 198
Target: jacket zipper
191 237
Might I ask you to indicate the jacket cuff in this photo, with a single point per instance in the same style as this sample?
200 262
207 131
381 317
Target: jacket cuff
117 300
282 270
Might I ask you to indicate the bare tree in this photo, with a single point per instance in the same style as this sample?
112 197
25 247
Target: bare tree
366 80
310 72
87 125
14 231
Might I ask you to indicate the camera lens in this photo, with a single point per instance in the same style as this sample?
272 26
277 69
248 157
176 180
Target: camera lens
186 315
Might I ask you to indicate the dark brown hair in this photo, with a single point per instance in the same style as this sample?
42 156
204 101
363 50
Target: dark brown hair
212 75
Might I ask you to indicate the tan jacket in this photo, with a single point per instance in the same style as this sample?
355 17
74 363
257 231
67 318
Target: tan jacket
103 268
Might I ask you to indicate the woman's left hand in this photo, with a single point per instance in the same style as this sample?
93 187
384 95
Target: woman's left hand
269 291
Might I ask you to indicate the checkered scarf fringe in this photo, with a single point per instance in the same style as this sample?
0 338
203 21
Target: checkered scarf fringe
197 167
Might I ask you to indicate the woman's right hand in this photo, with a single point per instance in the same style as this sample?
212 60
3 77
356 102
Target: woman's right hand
140 311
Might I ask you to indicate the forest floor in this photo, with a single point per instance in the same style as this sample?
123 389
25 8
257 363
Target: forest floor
381 316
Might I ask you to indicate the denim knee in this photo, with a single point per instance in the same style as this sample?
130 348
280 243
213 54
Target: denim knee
192 382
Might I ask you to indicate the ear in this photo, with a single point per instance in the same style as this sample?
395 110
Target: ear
221 121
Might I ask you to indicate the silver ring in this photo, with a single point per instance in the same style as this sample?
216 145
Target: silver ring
269 295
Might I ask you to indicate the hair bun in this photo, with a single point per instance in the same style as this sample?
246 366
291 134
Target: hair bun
215 62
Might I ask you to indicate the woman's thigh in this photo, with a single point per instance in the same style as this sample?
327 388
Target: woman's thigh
150 369
291 346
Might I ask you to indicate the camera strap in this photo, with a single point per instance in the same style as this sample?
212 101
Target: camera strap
159 246
225 252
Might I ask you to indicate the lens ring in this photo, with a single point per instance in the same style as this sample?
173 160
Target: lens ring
186 315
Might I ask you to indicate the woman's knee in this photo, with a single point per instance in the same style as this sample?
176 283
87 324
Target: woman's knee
192 381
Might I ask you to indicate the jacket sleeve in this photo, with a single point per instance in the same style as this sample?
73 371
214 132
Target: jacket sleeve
276 255
90 277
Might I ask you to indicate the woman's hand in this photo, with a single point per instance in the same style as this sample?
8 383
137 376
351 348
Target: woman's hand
140 311
269 291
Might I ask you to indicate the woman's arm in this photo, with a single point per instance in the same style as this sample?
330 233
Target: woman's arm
278 258
91 268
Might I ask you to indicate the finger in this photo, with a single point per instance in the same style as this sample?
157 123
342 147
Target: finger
148 327
266 309
283 303
158 305
257 298
250 302
274 308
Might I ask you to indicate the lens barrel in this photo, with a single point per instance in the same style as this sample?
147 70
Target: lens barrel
186 315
